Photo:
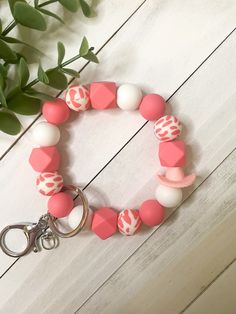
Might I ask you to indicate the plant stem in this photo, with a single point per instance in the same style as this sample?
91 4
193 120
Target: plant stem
46 3
14 23
35 81
9 28
64 64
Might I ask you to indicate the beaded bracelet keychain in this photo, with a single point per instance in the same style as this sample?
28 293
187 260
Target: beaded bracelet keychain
104 221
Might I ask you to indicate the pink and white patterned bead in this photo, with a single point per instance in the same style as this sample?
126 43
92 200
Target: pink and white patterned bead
129 222
167 128
49 183
77 98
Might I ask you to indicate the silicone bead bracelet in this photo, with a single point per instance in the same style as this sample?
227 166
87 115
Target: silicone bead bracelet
104 221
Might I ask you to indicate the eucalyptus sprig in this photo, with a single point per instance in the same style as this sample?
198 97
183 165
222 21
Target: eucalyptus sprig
26 100
19 96
33 16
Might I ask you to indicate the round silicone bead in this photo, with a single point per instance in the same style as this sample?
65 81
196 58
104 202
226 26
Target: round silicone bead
167 128
56 111
129 97
152 107
129 222
60 204
151 213
77 98
76 215
49 183
167 196
46 134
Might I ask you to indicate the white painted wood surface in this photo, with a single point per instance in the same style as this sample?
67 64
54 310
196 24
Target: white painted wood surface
156 271
222 289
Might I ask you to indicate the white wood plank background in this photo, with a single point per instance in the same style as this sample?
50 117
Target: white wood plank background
185 52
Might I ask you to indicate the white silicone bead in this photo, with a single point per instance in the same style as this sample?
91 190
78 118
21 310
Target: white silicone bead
129 97
167 196
46 134
76 215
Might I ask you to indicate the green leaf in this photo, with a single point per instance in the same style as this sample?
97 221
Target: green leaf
61 52
71 5
2 97
6 53
9 123
23 104
71 72
1 81
23 72
85 8
38 95
46 12
84 47
0 26
42 76
12 40
12 4
3 71
91 57
57 79
29 16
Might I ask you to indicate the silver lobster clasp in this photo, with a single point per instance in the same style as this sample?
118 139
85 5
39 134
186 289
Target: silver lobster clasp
33 232
46 229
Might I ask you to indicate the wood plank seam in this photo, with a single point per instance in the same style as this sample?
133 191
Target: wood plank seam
208 286
71 80
167 218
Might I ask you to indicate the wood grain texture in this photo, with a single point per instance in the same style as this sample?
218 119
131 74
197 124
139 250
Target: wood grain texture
181 257
61 281
220 296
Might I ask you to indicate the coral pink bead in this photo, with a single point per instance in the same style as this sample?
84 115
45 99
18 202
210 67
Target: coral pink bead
151 213
103 95
172 154
60 205
45 159
104 222
56 111
152 107
129 222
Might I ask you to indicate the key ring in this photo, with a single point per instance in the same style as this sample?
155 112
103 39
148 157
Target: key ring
35 231
51 219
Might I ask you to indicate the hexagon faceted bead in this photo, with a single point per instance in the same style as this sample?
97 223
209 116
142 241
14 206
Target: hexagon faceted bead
167 128
103 95
77 98
49 183
104 222
129 222
45 159
172 154
152 107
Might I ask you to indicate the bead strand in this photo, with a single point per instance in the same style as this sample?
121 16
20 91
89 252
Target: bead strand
105 221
